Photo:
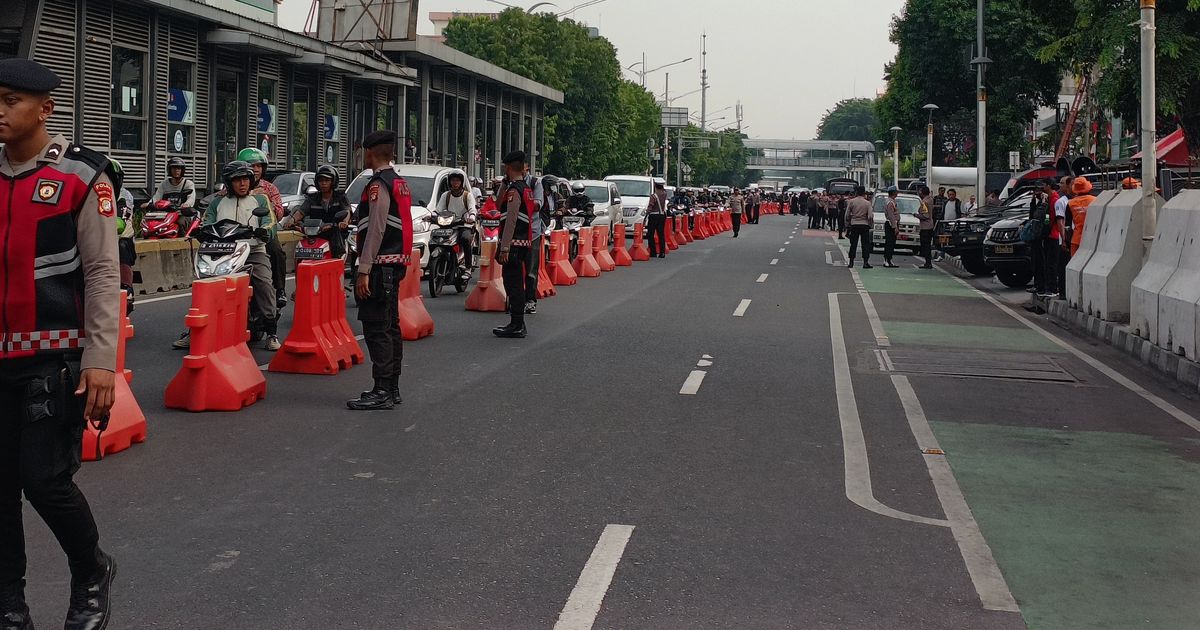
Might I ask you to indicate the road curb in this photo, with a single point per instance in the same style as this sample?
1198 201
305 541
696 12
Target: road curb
1123 338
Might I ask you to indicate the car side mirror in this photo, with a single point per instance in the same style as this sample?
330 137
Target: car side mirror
311 190
616 200
261 212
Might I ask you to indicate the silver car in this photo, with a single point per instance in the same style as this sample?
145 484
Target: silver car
605 198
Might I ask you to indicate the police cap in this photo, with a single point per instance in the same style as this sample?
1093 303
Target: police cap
26 75
379 138
514 157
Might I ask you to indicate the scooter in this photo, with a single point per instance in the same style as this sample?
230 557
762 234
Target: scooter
166 219
447 255
571 220
489 223
314 247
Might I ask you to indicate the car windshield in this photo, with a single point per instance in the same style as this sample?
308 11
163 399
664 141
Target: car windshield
421 187
906 205
287 183
633 187
597 194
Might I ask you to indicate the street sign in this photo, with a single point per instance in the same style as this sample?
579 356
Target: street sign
674 117
181 106
266 118
1014 161
332 127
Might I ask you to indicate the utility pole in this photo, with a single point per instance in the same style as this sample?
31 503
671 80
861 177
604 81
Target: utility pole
896 156
667 136
1149 124
930 107
980 62
738 109
704 82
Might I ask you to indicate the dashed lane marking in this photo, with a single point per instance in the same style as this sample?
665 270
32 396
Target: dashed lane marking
693 382
740 311
774 261
762 278
583 606
782 249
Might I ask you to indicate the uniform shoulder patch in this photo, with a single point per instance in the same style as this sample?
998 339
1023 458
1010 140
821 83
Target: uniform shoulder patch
104 199
373 192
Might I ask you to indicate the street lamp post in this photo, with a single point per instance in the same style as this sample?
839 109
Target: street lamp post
878 164
929 145
896 156
980 62
1149 141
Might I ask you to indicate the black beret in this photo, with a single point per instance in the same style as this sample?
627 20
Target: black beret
515 157
379 138
26 75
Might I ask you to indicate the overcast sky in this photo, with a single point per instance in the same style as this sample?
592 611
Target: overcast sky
787 61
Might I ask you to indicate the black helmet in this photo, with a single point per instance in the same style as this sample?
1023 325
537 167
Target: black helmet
235 169
176 162
327 170
459 176
549 181
578 188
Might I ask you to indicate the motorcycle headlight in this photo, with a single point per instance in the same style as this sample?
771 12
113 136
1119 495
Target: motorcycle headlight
225 267
444 221
204 266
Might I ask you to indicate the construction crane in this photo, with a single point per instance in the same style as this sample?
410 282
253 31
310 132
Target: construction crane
1082 85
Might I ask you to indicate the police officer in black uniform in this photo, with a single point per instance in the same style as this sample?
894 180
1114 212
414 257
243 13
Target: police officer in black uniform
58 339
385 241
516 239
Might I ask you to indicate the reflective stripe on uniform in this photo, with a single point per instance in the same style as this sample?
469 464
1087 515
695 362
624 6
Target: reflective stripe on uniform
56 264
43 340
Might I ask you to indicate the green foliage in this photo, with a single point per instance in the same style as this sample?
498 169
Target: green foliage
851 119
605 123
723 163
936 40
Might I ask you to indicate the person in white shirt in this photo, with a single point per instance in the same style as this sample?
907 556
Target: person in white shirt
461 201
971 208
181 189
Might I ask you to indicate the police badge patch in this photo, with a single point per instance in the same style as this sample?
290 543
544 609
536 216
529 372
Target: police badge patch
374 195
47 191
104 199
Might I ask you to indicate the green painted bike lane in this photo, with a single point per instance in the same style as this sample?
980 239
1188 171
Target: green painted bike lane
1091 528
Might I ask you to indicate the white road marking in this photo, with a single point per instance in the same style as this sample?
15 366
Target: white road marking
706 356
704 363
981 565
782 249
177 296
740 311
762 278
854 443
881 338
692 384
1154 399
828 257
774 261
583 606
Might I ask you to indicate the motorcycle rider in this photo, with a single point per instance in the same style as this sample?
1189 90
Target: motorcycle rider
242 197
682 200
176 182
461 202
258 161
324 204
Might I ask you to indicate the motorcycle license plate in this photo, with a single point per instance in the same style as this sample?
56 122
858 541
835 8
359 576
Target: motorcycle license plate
573 222
490 223
1005 249
218 248
443 233
310 253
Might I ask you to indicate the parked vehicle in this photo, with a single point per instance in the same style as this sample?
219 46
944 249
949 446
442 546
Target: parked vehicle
909 235
447 255
165 219
606 201
292 186
964 237
841 186
427 183
1004 252
635 191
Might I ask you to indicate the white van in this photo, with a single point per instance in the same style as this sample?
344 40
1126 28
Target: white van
635 197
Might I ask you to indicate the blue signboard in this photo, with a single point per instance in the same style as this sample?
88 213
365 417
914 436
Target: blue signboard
266 118
180 107
331 127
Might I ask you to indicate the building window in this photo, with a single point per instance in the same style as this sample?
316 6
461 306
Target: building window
299 131
128 100
332 127
268 116
181 106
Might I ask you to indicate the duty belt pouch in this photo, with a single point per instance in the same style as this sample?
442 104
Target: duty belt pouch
383 282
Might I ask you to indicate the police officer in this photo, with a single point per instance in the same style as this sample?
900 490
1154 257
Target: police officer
516 239
385 241
58 338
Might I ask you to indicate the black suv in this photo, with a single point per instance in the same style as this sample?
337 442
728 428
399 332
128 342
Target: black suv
1003 250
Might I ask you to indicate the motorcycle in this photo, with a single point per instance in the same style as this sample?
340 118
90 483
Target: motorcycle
314 247
489 222
167 220
447 254
573 219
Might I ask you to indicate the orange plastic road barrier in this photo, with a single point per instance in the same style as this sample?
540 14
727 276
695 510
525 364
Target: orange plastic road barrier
545 288
699 233
600 249
126 422
585 262
619 253
726 220
219 373
320 341
559 268
684 231
670 232
488 296
415 321
681 230
640 251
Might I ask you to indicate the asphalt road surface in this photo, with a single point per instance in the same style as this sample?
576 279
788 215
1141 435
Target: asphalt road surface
743 435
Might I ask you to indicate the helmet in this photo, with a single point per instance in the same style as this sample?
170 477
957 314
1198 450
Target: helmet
1130 183
250 155
176 162
578 188
458 176
235 169
893 189
327 170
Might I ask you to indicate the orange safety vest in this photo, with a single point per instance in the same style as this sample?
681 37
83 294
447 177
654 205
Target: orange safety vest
1078 209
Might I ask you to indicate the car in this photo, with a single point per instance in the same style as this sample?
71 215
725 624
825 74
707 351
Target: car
964 237
427 183
909 235
293 186
1004 252
605 198
635 197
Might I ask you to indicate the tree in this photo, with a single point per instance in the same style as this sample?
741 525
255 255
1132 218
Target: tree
935 40
722 163
851 119
604 124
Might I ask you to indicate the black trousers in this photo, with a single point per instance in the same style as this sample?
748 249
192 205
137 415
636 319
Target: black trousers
657 237
737 222
860 234
927 246
39 455
754 214
380 317
516 274
278 264
535 265
889 242
1045 265
839 218
1064 259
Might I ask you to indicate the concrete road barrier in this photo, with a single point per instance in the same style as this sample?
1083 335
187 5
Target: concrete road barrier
166 264
1161 264
1091 239
1179 300
1117 260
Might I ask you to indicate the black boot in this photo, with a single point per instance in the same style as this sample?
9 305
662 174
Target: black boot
14 612
379 398
396 399
514 330
90 603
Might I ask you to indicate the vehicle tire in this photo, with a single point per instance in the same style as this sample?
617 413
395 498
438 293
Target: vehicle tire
437 277
573 250
976 266
1014 279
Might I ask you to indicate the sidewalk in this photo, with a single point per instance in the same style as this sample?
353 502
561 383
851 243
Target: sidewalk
1088 494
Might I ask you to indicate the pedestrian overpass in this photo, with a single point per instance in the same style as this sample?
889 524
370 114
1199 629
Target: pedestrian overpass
856 159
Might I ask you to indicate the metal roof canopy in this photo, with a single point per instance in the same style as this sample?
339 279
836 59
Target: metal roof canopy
431 51
250 42
328 63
